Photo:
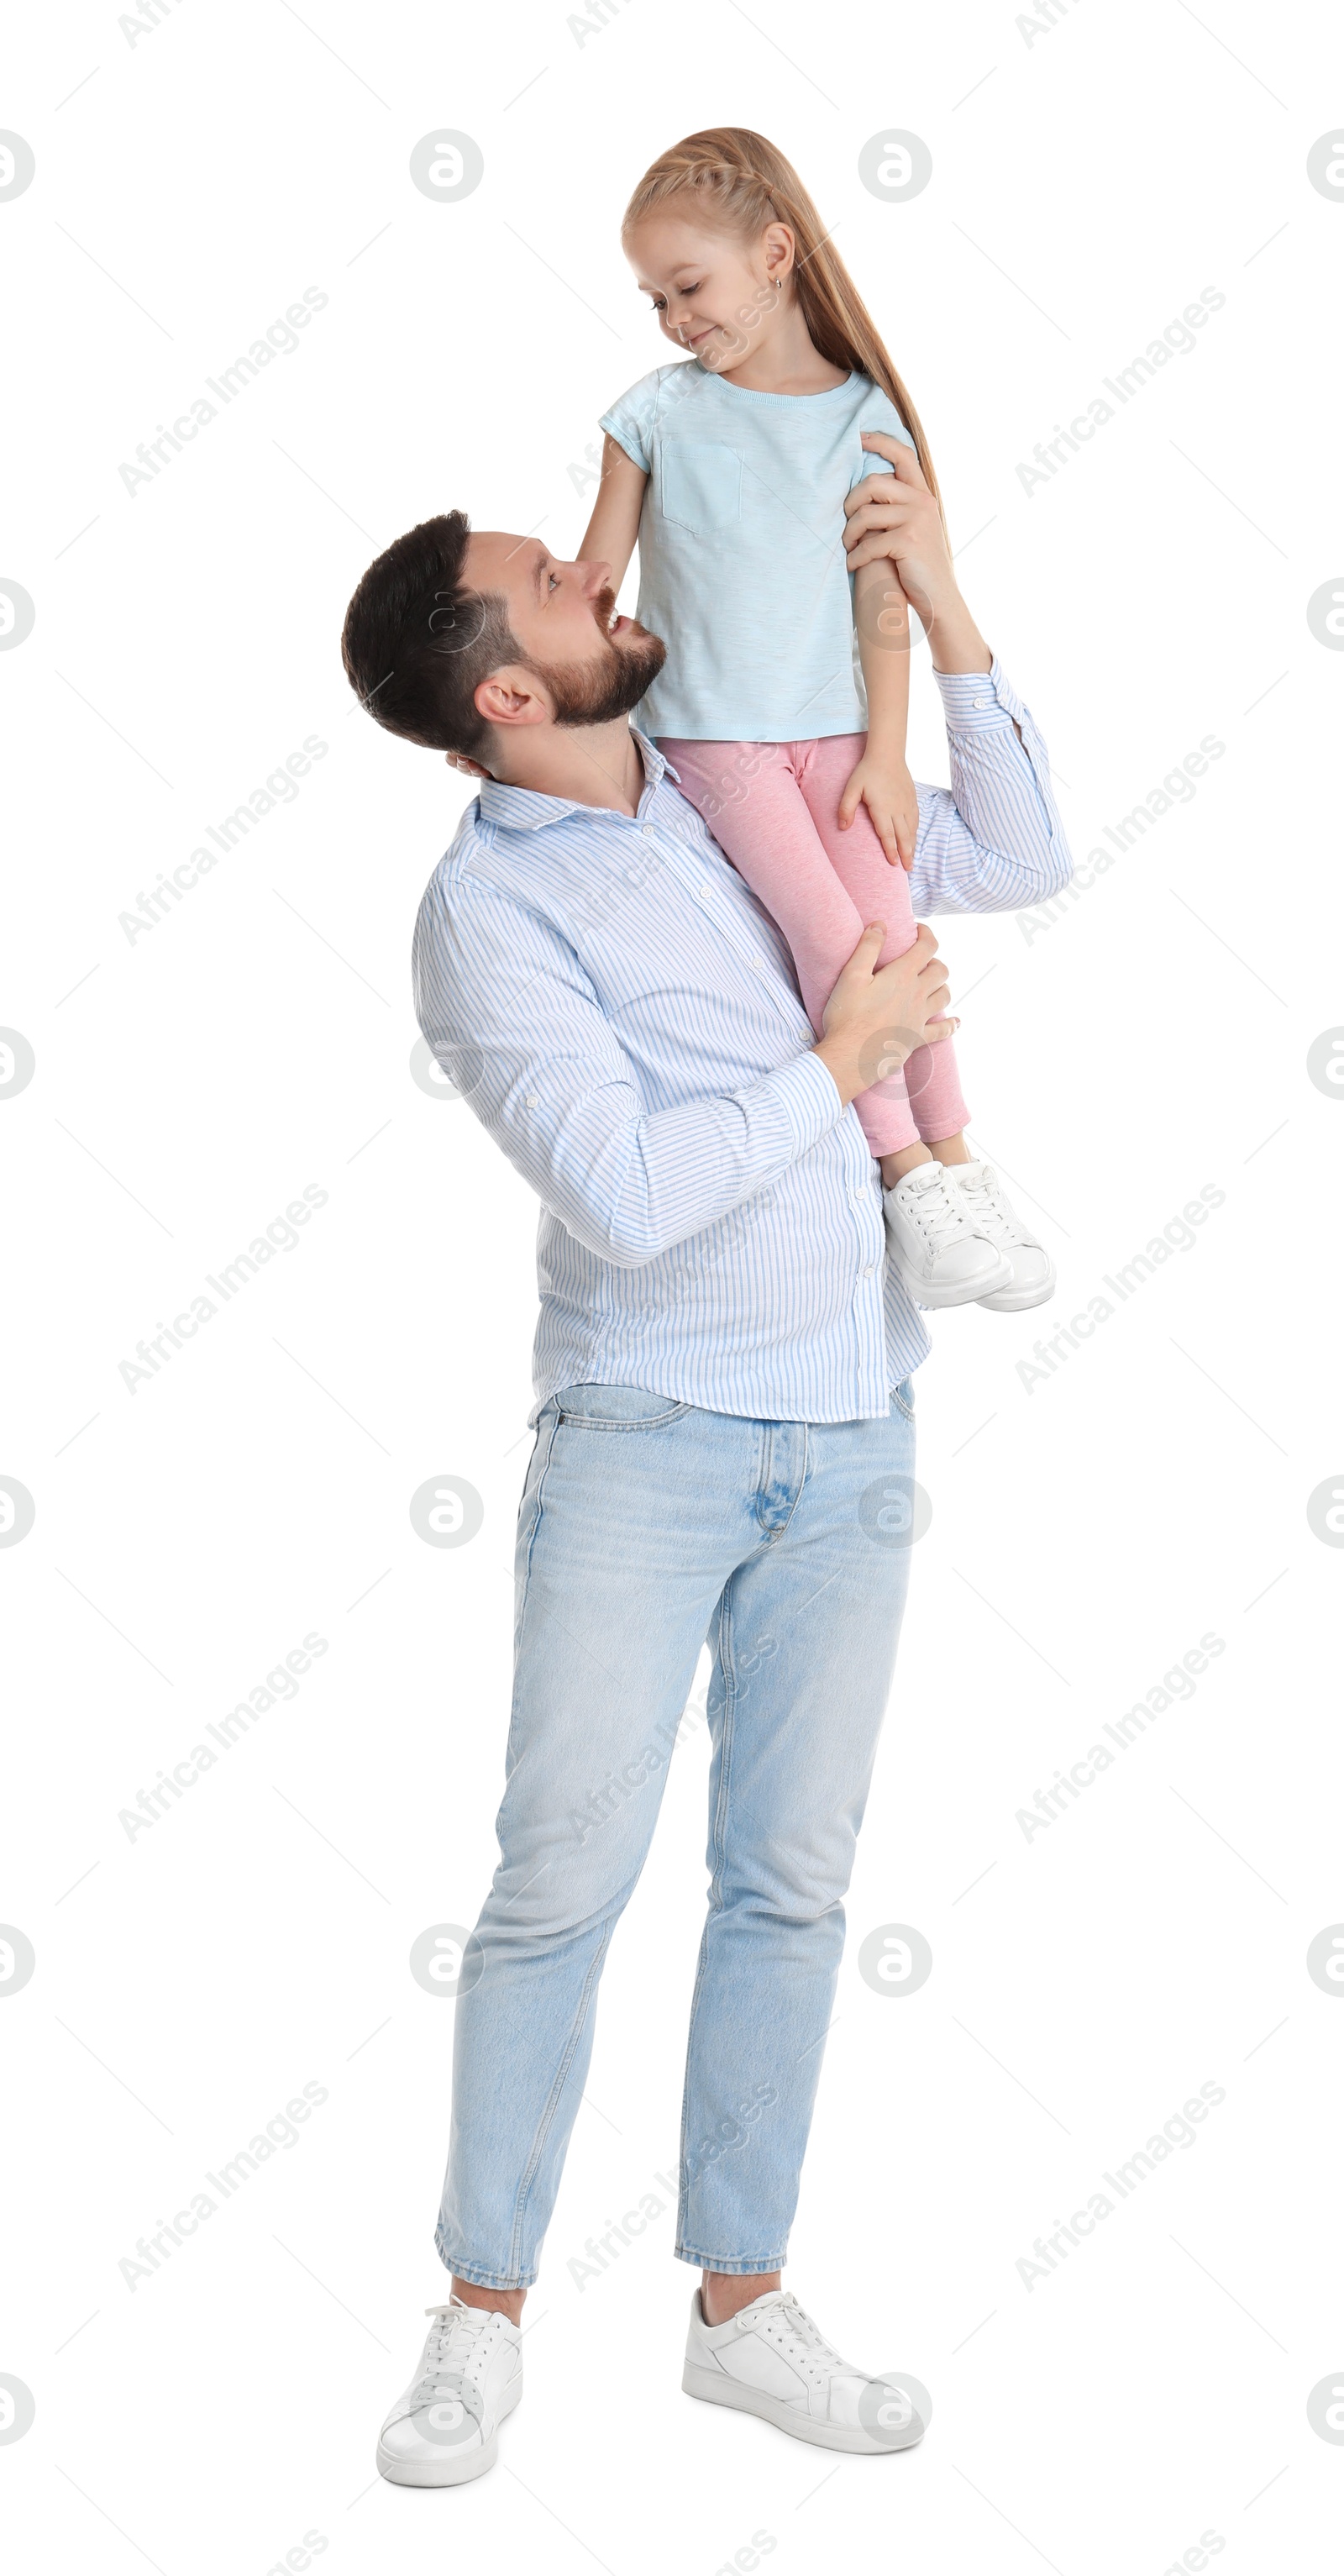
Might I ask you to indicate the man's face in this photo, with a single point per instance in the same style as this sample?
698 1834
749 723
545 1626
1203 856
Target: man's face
592 664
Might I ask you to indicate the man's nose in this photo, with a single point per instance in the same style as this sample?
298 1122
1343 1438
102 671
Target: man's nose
595 577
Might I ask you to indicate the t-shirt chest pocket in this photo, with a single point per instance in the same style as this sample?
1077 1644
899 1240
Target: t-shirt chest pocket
700 484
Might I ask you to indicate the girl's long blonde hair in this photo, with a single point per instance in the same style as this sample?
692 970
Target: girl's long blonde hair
739 183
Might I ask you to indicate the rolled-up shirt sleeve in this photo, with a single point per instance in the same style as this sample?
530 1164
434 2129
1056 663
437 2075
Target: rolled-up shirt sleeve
515 1023
992 841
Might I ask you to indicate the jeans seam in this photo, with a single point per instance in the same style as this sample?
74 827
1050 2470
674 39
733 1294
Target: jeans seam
531 2168
729 2263
725 1648
606 1422
521 1616
484 2280
769 1536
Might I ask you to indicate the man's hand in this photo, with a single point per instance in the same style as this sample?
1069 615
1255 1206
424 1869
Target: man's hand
884 784
878 1015
896 515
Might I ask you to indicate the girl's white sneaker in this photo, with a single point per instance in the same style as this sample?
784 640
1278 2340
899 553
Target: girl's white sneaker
445 2428
1032 1277
772 2360
936 1243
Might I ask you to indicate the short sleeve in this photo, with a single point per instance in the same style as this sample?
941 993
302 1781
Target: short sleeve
630 421
878 412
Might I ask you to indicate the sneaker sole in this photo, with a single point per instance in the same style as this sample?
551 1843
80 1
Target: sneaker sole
968 1292
1015 1301
452 2470
718 2390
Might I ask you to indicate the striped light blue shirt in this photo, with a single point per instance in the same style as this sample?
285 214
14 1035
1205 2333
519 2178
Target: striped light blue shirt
623 1017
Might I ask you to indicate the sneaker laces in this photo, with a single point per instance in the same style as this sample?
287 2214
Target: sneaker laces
798 2329
454 2339
935 1206
988 1208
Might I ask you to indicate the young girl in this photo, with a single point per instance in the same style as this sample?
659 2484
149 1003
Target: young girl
784 728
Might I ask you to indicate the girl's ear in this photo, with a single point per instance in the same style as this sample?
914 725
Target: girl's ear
779 247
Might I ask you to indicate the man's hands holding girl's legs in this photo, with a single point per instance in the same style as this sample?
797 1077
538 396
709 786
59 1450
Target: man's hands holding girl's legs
878 1015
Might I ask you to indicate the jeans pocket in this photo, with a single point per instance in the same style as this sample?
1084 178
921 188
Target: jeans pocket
701 484
617 1408
903 1397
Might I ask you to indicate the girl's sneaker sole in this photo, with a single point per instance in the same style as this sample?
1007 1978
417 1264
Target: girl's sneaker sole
972 1293
718 2390
1015 1301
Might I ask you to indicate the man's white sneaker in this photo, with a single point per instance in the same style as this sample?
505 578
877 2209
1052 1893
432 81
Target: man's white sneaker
935 1242
993 1216
445 2428
771 2360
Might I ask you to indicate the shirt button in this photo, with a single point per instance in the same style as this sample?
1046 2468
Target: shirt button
646 827
703 894
760 966
532 1100
984 702
867 1273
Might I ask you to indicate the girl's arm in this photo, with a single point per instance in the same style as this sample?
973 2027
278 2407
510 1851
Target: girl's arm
882 781
614 526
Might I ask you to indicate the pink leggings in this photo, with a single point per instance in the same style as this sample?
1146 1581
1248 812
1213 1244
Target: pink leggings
773 809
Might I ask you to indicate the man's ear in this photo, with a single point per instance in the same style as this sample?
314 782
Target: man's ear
510 698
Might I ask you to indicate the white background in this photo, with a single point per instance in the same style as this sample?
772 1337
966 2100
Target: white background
1090 177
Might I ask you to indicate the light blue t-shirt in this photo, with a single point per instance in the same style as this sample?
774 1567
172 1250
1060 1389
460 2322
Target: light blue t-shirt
742 565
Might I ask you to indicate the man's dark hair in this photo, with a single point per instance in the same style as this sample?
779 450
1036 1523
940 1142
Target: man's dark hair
417 643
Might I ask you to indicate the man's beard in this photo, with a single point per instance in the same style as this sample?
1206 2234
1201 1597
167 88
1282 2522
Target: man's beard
589 693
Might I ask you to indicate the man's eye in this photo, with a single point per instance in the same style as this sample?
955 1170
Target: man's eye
553 580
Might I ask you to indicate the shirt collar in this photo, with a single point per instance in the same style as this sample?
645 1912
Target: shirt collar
525 809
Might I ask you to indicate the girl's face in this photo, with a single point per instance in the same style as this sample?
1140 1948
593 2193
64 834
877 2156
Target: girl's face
715 295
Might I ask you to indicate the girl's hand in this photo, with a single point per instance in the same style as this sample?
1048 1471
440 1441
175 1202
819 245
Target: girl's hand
469 768
885 786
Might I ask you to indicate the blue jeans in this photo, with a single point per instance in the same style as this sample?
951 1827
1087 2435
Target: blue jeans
646 1526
